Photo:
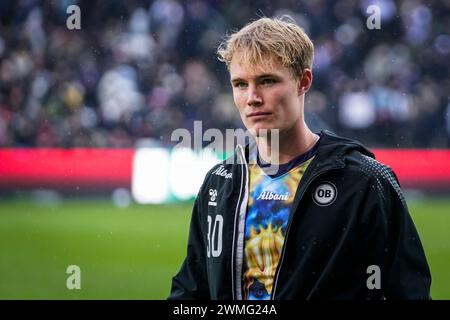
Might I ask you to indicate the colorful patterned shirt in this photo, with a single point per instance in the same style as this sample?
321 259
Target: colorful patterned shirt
268 211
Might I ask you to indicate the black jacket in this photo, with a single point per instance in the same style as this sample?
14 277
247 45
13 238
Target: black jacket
332 237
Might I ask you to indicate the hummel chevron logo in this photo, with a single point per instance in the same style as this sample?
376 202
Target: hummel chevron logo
212 197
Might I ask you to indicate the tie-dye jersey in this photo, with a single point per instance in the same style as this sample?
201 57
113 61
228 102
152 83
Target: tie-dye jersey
268 211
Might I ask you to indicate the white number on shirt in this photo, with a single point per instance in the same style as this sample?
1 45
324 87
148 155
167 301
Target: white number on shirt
214 247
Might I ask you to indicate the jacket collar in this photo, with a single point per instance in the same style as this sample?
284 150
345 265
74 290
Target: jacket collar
331 151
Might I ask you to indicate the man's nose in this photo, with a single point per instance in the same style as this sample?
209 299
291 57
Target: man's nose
254 98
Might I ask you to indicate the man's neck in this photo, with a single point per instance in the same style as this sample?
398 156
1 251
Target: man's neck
292 143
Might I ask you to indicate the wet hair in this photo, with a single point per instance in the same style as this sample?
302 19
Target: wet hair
267 40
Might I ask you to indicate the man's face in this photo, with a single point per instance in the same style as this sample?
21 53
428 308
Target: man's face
267 96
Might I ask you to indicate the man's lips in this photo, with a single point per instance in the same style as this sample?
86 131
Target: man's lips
258 114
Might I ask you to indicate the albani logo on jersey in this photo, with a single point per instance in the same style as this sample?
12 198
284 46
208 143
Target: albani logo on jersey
269 195
221 171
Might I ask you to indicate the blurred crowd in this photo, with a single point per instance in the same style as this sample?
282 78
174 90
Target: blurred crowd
140 69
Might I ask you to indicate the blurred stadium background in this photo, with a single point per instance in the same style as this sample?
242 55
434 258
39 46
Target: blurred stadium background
88 174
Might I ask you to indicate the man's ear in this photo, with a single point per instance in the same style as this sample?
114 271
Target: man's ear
305 81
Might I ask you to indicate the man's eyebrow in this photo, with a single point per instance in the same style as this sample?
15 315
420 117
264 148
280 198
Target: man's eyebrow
267 75
236 80
264 75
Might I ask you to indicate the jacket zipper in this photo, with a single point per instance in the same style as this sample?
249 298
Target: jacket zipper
277 272
236 215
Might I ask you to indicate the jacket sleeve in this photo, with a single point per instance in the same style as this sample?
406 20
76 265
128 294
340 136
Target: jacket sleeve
392 241
191 281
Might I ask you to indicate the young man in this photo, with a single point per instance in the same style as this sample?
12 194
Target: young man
330 223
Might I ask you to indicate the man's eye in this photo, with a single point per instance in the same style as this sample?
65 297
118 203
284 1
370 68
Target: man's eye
267 81
240 85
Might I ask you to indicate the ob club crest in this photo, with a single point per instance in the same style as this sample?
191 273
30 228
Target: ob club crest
324 194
